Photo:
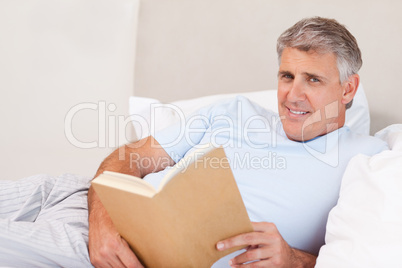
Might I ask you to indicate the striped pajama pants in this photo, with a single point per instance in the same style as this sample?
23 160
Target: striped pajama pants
44 222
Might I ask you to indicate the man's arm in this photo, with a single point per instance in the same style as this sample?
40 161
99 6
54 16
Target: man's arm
106 247
266 248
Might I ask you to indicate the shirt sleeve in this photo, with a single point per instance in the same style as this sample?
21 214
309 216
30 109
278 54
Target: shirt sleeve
184 135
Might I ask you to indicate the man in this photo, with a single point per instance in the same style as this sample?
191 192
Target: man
288 202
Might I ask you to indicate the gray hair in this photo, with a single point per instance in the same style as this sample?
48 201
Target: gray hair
324 36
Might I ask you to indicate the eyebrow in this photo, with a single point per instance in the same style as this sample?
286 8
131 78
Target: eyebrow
306 74
280 73
319 77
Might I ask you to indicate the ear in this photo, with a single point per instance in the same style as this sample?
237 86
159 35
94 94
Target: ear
350 88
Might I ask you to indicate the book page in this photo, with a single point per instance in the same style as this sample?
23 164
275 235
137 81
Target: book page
128 183
185 162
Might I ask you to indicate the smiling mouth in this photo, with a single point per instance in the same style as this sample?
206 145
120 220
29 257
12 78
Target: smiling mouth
297 112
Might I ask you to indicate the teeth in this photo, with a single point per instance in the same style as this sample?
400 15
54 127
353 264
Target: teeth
297 112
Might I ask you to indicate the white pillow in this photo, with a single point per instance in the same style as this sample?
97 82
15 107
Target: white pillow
365 228
150 115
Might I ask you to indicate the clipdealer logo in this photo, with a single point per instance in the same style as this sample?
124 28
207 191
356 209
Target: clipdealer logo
111 131
327 151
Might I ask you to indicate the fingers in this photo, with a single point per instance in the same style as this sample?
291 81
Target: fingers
117 254
127 257
107 248
259 257
265 247
264 233
248 256
252 239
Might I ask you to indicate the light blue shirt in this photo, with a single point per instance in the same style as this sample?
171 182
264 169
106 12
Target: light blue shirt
292 184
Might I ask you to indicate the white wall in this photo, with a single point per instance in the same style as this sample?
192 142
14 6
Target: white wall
55 55
189 48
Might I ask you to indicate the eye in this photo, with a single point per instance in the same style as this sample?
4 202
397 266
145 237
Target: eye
314 80
287 76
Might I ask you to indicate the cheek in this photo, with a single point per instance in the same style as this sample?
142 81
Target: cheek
320 100
282 92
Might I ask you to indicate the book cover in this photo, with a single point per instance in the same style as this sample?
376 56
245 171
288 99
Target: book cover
178 225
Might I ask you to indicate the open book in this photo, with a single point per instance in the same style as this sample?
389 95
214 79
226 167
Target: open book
177 225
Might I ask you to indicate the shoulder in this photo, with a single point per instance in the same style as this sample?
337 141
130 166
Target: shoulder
361 143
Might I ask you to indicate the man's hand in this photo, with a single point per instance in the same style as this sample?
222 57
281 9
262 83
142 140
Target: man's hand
106 247
266 248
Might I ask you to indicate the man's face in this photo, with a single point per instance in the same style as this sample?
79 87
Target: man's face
310 96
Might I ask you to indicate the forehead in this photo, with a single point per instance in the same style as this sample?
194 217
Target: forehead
293 60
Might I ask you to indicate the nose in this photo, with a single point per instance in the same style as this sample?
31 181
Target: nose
296 92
